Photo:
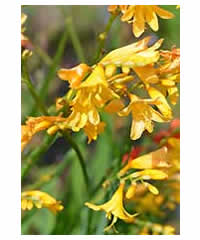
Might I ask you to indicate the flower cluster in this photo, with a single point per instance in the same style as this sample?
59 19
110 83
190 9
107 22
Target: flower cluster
107 86
147 167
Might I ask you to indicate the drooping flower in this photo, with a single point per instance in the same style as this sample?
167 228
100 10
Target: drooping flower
114 207
39 199
142 115
139 15
91 95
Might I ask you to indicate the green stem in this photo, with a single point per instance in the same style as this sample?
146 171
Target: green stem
75 39
53 69
56 60
70 140
43 55
27 80
35 155
102 38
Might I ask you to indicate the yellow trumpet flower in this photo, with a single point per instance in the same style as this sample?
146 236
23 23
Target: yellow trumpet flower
114 207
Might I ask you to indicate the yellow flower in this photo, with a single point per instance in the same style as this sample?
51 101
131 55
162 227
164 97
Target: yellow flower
39 199
74 75
37 124
142 115
114 207
165 77
138 15
91 95
135 54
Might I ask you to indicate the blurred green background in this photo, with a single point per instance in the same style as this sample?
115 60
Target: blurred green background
47 30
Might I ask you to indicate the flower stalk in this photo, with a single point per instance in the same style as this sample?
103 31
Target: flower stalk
74 145
102 38
27 81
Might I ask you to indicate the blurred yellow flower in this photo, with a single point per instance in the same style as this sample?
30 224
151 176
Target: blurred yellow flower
142 115
158 229
36 124
25 43
147 204
114 207
139 15
23 20
39 199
